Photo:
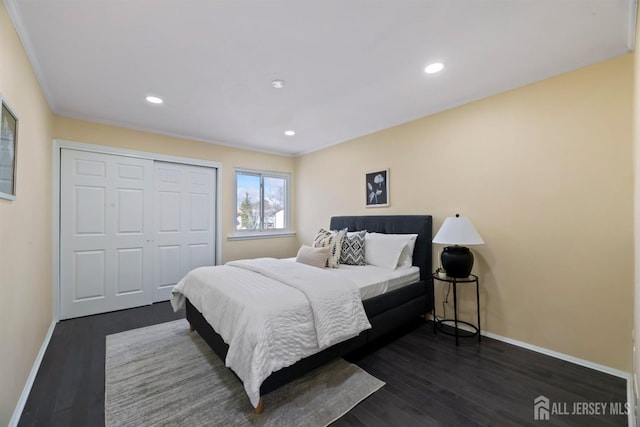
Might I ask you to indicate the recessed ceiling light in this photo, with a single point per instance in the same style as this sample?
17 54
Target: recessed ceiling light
154 99
436 67
289 132
278 84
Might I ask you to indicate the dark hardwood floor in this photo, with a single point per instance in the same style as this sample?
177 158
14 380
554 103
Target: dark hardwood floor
429 380
432 382
69 387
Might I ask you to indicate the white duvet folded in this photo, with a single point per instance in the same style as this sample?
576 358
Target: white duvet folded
337 309
272 313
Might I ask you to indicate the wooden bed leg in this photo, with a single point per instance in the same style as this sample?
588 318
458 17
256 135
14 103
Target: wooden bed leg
191 328
258 409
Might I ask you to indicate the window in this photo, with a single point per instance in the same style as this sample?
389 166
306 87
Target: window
262 203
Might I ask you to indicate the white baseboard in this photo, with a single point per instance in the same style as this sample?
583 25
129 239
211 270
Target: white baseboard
582 362
631 400
32 377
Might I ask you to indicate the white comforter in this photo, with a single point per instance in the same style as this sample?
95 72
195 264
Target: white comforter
272 313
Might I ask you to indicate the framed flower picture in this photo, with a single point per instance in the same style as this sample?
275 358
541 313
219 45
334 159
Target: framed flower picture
377 187
8 145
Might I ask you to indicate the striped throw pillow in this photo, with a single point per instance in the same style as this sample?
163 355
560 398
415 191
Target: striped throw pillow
332 240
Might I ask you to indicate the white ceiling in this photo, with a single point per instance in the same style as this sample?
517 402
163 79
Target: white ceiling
351 67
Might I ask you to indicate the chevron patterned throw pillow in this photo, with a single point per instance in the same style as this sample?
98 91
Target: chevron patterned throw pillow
352 252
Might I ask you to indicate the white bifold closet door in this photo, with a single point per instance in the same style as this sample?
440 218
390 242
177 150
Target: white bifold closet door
106 232
130 229
184 199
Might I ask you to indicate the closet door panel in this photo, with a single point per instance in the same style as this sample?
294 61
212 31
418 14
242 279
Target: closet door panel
185 218
105 232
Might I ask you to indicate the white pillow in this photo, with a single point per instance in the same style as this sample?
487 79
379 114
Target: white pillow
384 250
406 257
316 257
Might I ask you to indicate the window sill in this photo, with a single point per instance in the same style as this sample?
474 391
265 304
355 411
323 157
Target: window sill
260 235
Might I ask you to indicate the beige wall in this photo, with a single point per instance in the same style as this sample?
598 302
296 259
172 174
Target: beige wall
545 173
93 133
25 225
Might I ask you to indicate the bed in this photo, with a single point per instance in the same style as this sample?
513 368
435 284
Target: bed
384 312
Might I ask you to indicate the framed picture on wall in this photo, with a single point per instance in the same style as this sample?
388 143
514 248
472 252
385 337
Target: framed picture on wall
8 149
377 186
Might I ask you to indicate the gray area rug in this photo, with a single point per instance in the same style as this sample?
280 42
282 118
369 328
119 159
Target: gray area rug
164 375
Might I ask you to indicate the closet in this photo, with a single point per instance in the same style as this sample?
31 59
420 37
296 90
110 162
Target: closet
130 228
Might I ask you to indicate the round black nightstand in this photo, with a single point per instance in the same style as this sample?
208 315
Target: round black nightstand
457 332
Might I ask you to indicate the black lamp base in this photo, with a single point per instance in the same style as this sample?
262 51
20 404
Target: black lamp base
457 261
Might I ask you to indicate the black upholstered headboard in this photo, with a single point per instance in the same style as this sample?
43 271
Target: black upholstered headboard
396 224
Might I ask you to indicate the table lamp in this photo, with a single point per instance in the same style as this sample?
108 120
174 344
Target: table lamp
457 260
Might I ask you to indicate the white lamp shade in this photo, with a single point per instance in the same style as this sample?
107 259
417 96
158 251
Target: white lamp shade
458 231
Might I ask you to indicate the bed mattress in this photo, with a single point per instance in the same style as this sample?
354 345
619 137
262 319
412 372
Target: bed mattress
373 281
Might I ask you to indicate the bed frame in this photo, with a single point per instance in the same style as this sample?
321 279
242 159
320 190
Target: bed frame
385 312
